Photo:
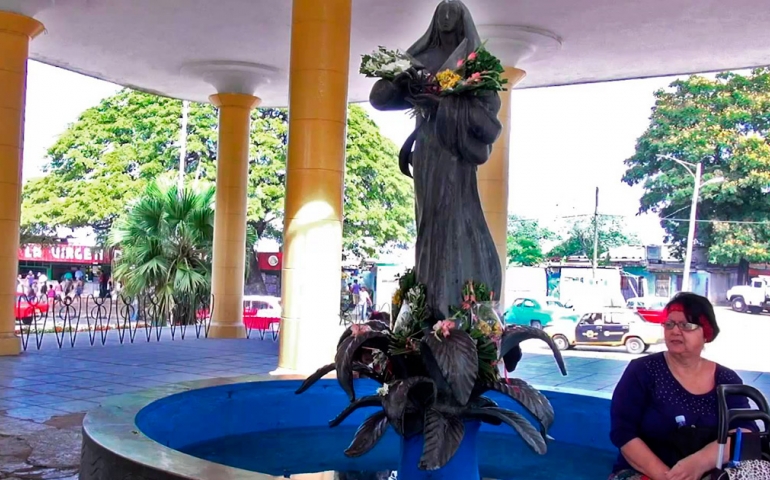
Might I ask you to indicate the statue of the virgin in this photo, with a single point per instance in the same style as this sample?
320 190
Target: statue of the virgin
453 136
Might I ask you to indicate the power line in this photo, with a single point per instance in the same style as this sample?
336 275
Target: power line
746 222
585 215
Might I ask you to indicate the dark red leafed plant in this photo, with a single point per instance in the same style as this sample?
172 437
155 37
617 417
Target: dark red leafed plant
434 374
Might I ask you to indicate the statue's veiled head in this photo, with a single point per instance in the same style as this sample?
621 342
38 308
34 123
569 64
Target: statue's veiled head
449 17
451 28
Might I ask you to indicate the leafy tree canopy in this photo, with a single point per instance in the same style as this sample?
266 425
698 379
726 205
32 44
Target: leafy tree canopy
115 150
580 238
723 124
525 241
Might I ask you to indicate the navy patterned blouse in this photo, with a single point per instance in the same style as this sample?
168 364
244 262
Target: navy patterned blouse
648 399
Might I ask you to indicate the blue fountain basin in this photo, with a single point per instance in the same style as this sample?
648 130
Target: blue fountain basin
264 428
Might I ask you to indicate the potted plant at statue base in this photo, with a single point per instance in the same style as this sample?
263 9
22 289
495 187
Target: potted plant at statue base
433 376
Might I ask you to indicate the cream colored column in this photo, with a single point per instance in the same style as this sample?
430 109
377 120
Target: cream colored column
15 34
312 242
493 178
229 267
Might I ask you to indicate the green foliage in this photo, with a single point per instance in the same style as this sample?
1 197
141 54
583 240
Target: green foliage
111 154
723 124
580 238
379 199
489 71
165 241
525 241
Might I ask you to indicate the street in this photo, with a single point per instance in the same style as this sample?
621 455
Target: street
743 343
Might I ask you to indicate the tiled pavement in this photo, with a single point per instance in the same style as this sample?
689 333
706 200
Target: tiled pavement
39 384
50 382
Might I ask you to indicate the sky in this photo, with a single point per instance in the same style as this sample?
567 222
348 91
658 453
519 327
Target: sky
565 141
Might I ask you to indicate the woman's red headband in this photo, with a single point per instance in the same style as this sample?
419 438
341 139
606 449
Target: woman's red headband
708 330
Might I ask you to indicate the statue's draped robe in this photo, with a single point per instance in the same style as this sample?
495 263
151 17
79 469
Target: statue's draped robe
454 244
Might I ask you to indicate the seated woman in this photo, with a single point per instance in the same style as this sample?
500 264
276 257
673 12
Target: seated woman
661 396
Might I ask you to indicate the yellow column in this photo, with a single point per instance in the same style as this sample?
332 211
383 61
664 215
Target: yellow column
318 87
229 265
493 177
15 34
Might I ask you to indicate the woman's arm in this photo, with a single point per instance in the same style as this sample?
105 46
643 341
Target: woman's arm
701 462
639 455
705 459
629 402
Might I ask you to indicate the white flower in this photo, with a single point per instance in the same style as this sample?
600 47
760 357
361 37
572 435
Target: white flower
383 390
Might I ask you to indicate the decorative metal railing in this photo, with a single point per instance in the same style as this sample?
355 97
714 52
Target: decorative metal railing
128 319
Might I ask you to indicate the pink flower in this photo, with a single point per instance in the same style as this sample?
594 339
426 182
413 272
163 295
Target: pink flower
444 326
460 63
357 329
472 56
476 77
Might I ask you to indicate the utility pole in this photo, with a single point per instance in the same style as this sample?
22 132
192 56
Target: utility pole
596 233
183 146
691 230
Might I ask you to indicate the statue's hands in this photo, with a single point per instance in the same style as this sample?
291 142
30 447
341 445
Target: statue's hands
403 78
425 100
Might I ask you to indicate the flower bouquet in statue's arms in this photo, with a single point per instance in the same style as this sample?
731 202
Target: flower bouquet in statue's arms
434 373
479 72
384 63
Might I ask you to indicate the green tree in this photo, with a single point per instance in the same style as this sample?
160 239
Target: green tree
165 240
723 124
580 238
525 241
116 149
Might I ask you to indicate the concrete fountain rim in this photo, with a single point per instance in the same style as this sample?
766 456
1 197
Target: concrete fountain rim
112 429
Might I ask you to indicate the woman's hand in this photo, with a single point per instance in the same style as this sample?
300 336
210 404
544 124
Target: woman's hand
690 468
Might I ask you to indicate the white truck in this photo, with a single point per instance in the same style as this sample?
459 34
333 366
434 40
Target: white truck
753 298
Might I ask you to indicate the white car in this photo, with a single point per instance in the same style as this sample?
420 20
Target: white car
265 306
609 327
262 313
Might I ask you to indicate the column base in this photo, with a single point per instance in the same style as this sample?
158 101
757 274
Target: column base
10 344
308 345
227 331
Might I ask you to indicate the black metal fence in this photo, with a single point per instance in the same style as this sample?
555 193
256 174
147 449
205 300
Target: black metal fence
123 318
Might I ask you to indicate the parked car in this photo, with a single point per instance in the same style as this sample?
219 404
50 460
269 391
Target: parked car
653 309
612 327
537 313
260 312
26 311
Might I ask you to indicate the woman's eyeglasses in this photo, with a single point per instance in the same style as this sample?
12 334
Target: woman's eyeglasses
683 326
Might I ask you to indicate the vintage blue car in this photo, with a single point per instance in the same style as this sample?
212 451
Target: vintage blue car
538 313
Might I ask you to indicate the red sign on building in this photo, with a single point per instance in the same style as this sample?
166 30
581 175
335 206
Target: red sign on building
270 261
63 254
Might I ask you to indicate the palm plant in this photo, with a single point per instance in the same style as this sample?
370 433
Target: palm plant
166 240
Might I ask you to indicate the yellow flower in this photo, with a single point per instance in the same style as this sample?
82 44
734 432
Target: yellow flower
396 298
447 79
484 328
